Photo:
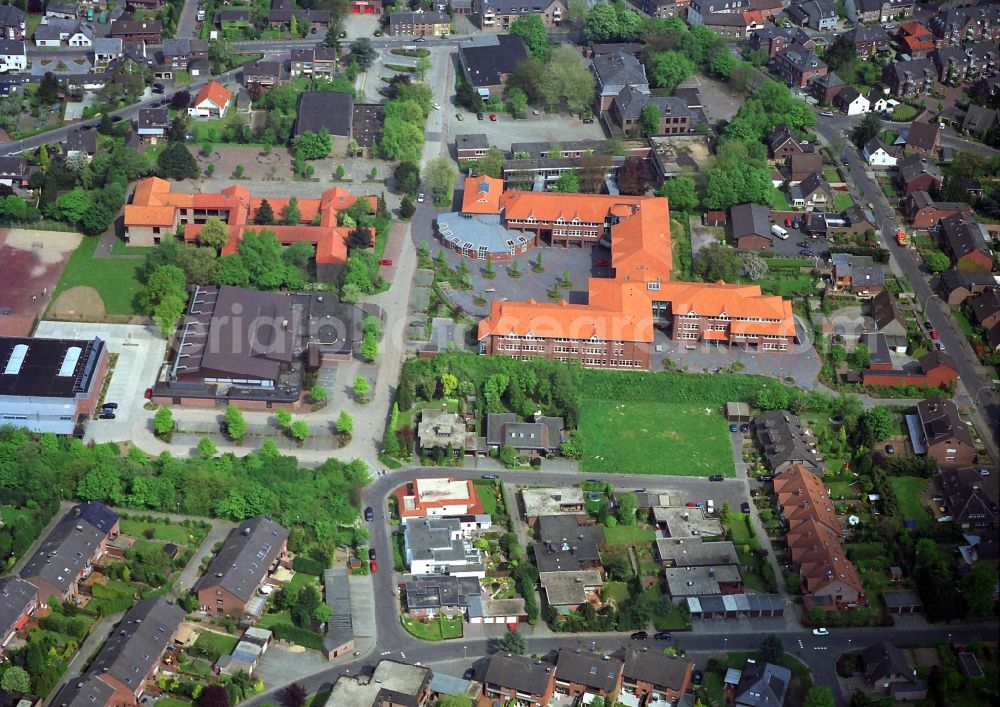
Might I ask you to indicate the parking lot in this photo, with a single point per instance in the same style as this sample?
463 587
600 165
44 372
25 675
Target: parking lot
548 127
140 351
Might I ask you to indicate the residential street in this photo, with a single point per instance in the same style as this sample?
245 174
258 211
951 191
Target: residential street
977 390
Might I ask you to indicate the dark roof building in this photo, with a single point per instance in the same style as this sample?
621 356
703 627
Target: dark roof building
429 594
751 226
762 685
945 437
969 495
965 240
87 691
242 564
593 672
510 675
67 553
332 110
133 649
18 599
784 442
487 67
542 435
885 665
655 673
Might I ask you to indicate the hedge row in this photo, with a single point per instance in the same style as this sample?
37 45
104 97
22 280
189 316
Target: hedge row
308 565
299 636
673 387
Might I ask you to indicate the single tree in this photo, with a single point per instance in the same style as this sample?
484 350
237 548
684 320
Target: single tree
361 387
283 418
369 347
771 648
936 261
293 696
877 422
206 448
16 681
236 426
213 696
214 233
163 421
680 192
363 52
318 393
290 214
299 431
345 423
513 642
651 120
265 214
822 696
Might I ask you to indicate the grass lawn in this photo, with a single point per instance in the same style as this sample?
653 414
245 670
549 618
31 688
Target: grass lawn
629 535
681 245
842 201
172 702
841 489
654 438
965 326
269 620
739 526
904 113
13 516
177 534
908 490
223 645
182 77
437 630
487 495
674 619
120 248
300 580
786 285
832 175
116 281
615 590
739 659
781 203
206 129
710 692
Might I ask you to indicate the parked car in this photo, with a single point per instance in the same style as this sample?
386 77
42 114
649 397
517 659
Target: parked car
889 449
373 566
387 262
371 553
928 326
420 39
788 222
369 514
459 116
493 117
934 335
469 674
821 632
802 244
734 428
490 476
588 121
109 406
479 116
765 478
806 253
106 416
662 635
826 113
696 677
148 394
639 636
745 507
420 198
716 477
939 346
436 106
691 504
745 427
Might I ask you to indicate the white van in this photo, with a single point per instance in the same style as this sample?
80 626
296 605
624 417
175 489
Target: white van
710 507
778 232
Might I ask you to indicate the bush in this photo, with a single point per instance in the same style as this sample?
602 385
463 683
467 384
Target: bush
308 565
299 636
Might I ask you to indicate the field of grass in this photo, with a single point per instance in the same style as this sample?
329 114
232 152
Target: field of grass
223 645
908 490
438 630
269 620
739 526
615 590
300 580
842 200
487 495
116 281
832 175
673 619
654 438
629 535
904 112
168 533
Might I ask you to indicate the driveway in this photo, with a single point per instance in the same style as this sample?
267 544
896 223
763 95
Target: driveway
140 352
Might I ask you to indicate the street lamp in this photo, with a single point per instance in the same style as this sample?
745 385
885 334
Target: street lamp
929 298
979 390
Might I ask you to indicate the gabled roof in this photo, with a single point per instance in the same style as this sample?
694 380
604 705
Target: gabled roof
914 166
215 93
940 421
986 305
970 496
964 235
923 135
763 685
88 691
658 668
750 220
885 660
588 669
519 673
619 69
134 646
246 555
885 310
16 597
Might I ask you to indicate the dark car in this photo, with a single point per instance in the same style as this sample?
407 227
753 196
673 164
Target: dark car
588 121
480 116
928 326
371 553
802 244
157 90
806 253
744 507
716 477
469 674
109 406
734 428
490 476
662 635
117 119
158 85
745 427
765 477
696 677
369 514
889 449
639 636
106 416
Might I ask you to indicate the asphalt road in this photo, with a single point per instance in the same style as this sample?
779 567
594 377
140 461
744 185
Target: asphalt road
987 412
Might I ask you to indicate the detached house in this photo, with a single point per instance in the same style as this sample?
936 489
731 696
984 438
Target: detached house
869 40
615 72
969 495
246 559
813 192
852 101
910 78
12 22
878 154
917 174
751 226
889 320
762 685
212 101
923 138
55 31
152 124
887 671
13 56
782 143
941 434
488 67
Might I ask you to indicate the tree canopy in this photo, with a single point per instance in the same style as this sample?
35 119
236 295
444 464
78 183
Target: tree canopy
532 30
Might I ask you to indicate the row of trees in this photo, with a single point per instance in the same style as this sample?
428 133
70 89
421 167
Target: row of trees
409 104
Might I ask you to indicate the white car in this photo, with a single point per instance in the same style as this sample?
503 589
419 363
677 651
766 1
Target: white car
436 106
420 198
826 113
821 632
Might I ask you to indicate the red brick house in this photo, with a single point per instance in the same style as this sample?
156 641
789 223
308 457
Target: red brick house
518 679
580 673
654 676
943 435
923 212
924 138
964 239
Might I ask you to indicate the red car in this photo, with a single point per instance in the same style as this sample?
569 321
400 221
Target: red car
603 263
935 335
788 222
493 117
386 262
691 504
373 566
148 394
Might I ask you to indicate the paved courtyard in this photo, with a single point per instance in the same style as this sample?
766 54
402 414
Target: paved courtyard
547 127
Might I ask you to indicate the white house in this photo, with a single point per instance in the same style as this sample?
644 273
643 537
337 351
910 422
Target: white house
106 50
435 545
878 155
879 102
13 57
212 101
852 102
54 31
